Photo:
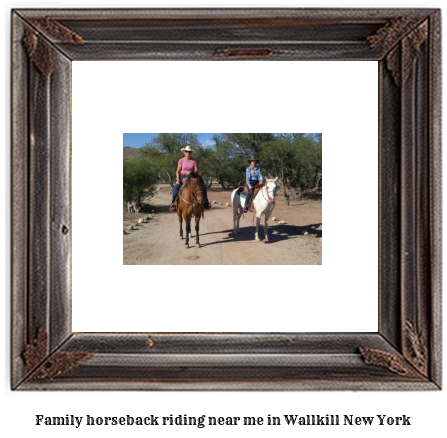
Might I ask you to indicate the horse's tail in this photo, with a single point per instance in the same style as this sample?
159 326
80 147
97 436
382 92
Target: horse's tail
234 194
239 190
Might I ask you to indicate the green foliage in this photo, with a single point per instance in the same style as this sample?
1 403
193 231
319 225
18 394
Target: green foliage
225 163
139 180
205 161
165 150
295 158
248 144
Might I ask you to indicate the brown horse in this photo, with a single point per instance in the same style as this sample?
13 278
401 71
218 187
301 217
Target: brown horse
191 198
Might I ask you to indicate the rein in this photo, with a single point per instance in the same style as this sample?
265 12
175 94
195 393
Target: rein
193 194
269 200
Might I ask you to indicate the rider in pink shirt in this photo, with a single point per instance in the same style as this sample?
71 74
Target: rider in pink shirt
185 166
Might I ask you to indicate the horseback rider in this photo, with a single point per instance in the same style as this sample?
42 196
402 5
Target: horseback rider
185 166
253 177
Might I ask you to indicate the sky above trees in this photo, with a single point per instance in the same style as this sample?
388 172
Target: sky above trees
137 140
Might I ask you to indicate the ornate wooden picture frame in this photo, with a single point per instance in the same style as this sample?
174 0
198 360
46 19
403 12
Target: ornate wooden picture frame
405 353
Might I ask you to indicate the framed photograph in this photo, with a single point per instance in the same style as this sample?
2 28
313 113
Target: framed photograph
403 354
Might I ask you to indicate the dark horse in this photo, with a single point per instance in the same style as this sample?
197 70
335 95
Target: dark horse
191 198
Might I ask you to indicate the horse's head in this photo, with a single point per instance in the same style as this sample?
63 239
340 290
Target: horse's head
196 185
270 186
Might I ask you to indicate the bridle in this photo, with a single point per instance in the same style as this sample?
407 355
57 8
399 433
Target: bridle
193 194
270 200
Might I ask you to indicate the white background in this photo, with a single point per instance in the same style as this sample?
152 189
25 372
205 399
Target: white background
427 409
339 296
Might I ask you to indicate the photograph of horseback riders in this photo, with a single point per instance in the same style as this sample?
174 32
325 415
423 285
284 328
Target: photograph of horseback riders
212 199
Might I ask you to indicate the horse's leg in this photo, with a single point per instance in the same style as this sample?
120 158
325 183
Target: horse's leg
267 217
258 221
179 214
197 230
235 214
240 210
188 229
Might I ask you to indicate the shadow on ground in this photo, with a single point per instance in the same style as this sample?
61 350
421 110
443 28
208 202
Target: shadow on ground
276 233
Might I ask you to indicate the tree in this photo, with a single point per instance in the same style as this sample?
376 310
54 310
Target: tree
225 164
297 160
205 162
139 180
248 144
165 151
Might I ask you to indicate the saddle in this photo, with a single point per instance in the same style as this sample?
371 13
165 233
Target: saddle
177 199
243 191
183 185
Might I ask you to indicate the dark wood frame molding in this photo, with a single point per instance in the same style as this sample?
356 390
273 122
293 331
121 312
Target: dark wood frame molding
405 354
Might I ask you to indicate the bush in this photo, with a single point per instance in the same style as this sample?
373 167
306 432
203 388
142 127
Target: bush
139 180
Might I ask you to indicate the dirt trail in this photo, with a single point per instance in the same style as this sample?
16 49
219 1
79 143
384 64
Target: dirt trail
157 241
